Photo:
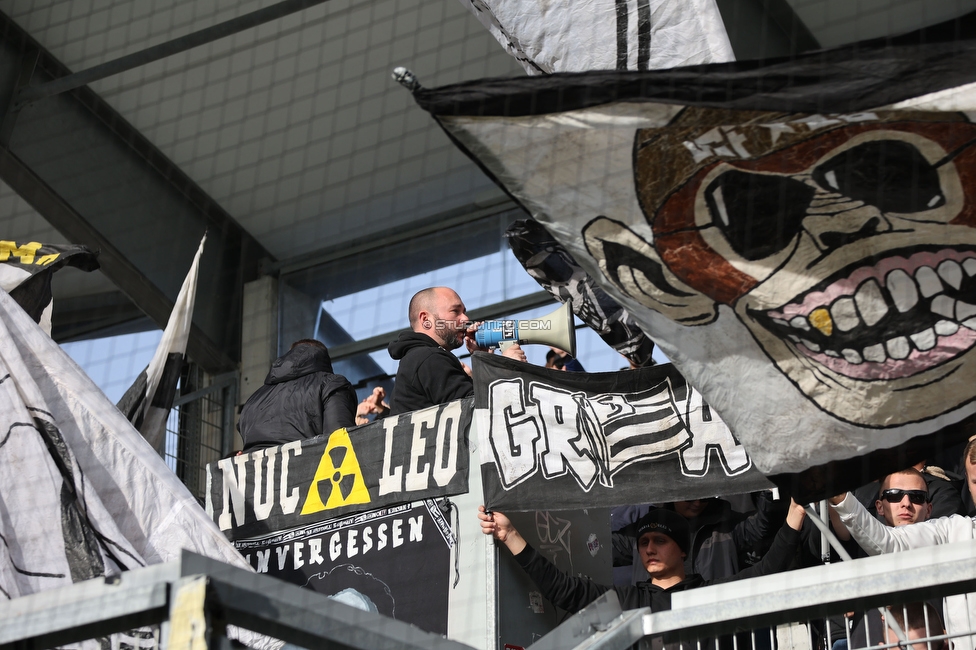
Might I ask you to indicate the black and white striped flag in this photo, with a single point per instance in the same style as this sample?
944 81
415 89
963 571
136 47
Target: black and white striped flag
580 35
148 401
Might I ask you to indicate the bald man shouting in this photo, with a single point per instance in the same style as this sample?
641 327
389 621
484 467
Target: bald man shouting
429 373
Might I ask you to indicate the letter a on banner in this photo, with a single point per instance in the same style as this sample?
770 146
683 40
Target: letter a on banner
338 480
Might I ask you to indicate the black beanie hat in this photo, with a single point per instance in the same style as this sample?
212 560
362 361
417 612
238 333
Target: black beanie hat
668 522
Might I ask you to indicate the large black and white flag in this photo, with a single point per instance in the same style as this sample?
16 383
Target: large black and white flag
799 237
548 36
26 270
553 440
148 401
83 495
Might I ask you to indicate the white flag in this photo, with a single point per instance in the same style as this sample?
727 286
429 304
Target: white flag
81 493
580 35
148 401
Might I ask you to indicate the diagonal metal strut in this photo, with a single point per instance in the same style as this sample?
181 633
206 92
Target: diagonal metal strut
142 57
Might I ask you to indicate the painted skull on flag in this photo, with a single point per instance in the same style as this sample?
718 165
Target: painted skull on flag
797 236
845 244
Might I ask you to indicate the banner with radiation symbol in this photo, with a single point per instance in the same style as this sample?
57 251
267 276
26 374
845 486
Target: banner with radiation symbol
409 457
798 237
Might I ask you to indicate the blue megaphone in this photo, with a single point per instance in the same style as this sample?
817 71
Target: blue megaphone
555 329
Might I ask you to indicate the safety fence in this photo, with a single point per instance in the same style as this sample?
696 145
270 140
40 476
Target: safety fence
200 427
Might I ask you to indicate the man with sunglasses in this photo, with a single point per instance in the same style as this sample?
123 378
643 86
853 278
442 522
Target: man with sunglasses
904 498
876 538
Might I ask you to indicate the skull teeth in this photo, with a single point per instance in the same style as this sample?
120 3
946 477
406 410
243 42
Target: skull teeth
871 303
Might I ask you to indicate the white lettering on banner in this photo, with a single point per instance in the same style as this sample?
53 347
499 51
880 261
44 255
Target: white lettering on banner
418 472
442 424
289 502
315 551
710 434
282 552
342 544
390 481
568 448
262 510
264 558
397 533
416 528
421 452
520 426
234 483
593 438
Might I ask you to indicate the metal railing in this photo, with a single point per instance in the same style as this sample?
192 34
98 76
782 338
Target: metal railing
725 615
197 602
200 427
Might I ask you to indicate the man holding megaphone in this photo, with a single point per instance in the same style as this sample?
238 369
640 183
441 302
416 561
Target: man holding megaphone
429 374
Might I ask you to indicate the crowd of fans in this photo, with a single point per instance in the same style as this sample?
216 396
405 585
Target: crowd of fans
711 542
658 549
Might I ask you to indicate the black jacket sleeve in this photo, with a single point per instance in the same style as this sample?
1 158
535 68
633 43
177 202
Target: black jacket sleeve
946 498
760 525
339 408
562 590
777 559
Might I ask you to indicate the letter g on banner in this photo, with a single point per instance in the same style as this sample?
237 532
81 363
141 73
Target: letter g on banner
514 431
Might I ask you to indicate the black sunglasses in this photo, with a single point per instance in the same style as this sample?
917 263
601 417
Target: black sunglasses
918 497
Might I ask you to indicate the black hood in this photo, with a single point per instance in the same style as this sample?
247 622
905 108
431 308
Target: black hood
298 362
409 340
717 510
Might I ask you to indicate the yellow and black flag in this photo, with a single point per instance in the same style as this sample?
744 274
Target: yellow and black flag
26 269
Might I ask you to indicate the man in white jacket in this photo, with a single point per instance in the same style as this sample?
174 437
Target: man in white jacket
875 538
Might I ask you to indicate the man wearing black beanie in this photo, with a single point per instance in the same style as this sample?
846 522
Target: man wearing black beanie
662 543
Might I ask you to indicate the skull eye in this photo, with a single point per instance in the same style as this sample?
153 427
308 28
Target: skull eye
891 175
759 215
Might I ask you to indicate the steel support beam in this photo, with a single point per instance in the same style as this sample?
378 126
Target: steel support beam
87 609
140 289
142 57
100 182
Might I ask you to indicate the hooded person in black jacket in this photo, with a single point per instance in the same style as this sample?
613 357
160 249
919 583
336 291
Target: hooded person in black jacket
663 541
429 373
301 398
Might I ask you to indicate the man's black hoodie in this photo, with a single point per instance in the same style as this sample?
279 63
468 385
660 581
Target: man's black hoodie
301 398
428 374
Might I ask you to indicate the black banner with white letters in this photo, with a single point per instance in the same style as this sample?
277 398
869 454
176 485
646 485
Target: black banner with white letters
413 456
394 561
554 440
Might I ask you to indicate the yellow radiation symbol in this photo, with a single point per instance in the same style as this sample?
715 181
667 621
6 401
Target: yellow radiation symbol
338 480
